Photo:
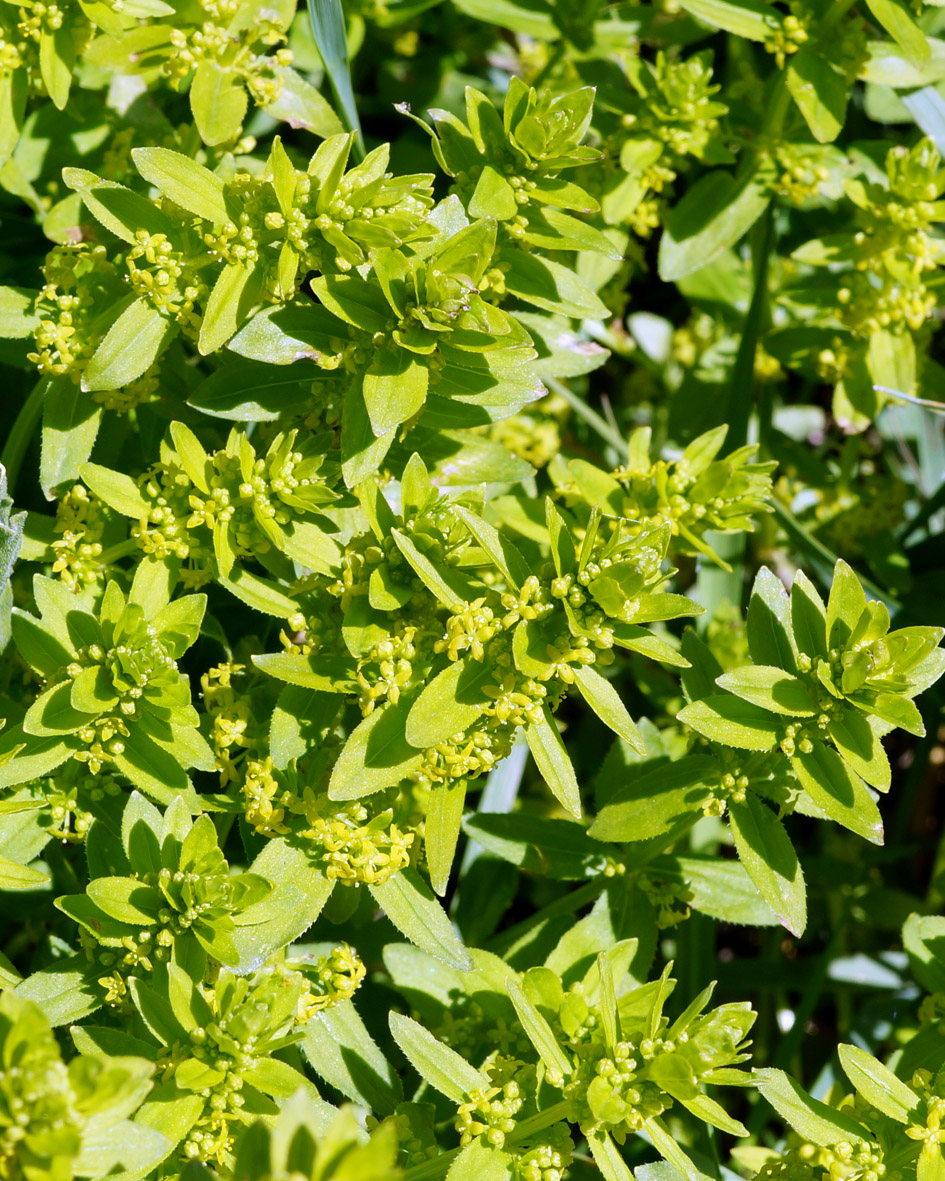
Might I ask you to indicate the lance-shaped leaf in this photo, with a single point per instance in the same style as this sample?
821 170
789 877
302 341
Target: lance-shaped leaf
435 1062
765 849
409 904
553 761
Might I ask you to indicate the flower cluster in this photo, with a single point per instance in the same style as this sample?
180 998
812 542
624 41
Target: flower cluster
210 511
81 280
509 168
53 1115
329 979
352 843
667 115
113 688
692 495
414 619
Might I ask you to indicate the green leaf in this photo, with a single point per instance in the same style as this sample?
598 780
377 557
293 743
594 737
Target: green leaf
808 617
108 1147
218 102
713 215
605 701
898 23
493 196
771 689
667 1146
52 713
37 645
607 1157
70 426
770 638
362 452
820 90
721 889
861 749
299 104
553 763
289 666
92 691
478 1162
18 320
300 891
450 703
922 936
233 297
395 387
442 826
813 1120
838 792
435 1062
549 285
118 491
187 183
251 391
344 1054
169 1111
376 754
409 904
878 1085
23 757
152 768
58 49
117 208
733 722
845 605
507 14
765 850
428 574
14 876
506 557
65 991
744 18
126 900
653 803
355 301
328 29
538 1030
132 344
299 714
556 848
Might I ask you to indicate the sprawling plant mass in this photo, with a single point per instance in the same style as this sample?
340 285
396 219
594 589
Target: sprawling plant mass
471 484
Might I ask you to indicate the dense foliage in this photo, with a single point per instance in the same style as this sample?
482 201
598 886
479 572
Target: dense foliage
414 765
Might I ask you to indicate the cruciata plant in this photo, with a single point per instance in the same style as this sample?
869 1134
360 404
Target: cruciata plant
470 587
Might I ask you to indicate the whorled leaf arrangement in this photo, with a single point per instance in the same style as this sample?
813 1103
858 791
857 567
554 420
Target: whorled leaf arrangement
322 573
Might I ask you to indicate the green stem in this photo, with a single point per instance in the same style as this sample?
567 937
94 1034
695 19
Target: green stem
21 432
120 550
581 408
824 558
741 394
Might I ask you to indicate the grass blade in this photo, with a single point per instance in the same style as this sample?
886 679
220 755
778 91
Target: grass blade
328 28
